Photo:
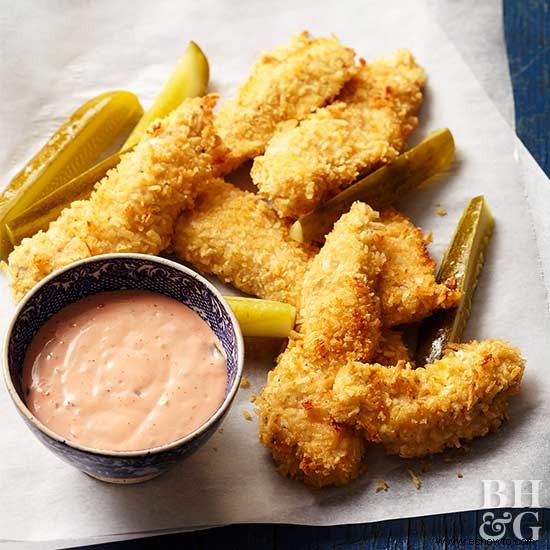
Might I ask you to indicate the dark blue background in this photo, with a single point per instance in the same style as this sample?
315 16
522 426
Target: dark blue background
527 27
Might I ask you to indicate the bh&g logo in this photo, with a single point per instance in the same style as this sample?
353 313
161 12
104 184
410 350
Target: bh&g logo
518 493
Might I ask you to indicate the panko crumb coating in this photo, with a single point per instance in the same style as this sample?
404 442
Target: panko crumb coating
287 83
339 317
297 428
339 321
308 162
235 235
408 289
391 349
416 412
134 208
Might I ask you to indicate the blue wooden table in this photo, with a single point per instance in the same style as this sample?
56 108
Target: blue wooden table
527 28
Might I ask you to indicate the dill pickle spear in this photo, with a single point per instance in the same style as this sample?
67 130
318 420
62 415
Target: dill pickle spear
382 187
41 213
189 79
463 261
263 317
74 146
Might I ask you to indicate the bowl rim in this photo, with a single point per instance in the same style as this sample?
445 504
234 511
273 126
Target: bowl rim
220 412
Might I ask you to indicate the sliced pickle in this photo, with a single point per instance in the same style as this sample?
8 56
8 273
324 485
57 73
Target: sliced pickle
44 211
263 317
189 79
74 146
382 187
462 262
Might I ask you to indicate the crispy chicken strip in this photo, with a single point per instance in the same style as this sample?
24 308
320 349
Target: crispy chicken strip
339 318
302 437
306 163
416 412
339 321
287 83
238 237
134 208
408 289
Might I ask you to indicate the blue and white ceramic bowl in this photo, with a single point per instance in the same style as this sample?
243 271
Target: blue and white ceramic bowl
118 272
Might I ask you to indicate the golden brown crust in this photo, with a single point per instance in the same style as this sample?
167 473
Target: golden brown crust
391 349
238 237
408 289
339 322
394 81
286 83
296 427
339 318
416 412
133 209
307 163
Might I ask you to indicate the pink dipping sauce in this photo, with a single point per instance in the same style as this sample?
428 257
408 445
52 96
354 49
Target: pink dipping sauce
124 370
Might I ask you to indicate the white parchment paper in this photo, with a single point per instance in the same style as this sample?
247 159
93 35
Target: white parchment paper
57 54
476 30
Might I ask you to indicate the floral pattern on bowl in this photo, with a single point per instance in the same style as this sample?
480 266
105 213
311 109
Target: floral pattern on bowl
122 272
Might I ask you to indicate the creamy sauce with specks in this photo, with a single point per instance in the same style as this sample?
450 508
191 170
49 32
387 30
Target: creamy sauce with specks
124 370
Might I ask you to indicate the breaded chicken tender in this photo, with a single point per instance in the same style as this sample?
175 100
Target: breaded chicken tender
339 318
416 412
287 83
134 208
339 322
238 237
295 424
408 289
307 163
